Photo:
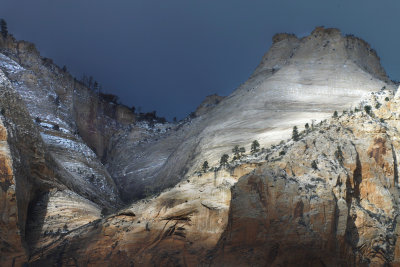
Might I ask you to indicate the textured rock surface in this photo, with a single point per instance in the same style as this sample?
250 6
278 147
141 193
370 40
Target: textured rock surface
11 243
25 172
176 228
340 211
34 163
86 121
297 81
329 199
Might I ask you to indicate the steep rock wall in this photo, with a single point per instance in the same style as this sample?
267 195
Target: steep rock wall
298 81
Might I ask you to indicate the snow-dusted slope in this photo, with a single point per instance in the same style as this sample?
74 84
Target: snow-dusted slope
298 81
50 106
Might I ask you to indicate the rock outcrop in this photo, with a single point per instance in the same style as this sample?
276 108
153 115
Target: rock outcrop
25 173
328 198
298 81
55 102
331 200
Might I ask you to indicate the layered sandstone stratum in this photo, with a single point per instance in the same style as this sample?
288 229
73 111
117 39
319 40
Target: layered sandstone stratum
72 163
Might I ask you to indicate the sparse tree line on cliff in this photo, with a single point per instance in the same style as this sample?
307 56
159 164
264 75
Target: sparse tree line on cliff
3 28
240 152
92 84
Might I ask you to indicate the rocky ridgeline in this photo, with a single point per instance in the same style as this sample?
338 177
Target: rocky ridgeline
330 198
45 159
297 81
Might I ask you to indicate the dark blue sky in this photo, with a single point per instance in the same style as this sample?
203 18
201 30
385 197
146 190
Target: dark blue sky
168 55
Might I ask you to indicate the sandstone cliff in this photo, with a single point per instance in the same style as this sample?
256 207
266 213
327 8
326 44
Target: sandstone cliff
329 199
297 81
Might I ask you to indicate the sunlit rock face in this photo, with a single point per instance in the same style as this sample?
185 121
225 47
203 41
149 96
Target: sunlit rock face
11 245
298 81
329 199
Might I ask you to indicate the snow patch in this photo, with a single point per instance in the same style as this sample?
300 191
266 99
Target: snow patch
9 65
68 144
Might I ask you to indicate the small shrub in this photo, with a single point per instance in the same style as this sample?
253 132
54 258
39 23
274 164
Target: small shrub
335 114
314 165
382 120
255 147
282 153
378 105
3 111
109 98
56 127
295 134
205 166
386 99
236 152
367 109
38 120
339 154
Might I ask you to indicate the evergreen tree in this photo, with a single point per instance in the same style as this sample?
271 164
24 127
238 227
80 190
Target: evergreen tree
236 152
224 160
367 109
295 134
335 114
205 166
3 26
96 87
307 127
90 82
242 151
255 147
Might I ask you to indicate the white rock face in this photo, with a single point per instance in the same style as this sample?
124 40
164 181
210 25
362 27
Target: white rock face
49 102
317 78
298 81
